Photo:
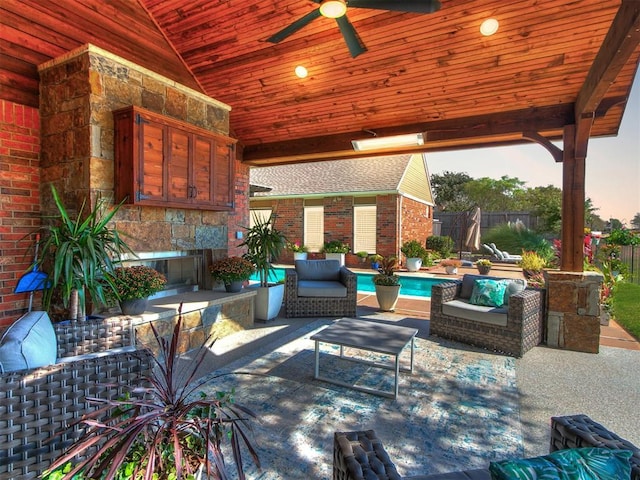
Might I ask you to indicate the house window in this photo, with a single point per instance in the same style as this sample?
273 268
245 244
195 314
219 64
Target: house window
314 228
364 228
262 215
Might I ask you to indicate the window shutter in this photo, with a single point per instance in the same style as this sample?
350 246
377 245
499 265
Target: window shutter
314 228
364 228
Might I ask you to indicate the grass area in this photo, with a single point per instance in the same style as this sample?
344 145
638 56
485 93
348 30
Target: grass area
625 307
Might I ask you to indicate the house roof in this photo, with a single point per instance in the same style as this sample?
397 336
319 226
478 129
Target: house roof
550 64
372 175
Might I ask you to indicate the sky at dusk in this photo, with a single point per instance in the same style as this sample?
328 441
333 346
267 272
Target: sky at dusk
612 165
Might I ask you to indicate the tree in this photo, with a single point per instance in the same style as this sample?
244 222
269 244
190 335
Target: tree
449 191
496 195
546 204
635 222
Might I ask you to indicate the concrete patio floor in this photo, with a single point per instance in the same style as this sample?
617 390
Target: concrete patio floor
550 382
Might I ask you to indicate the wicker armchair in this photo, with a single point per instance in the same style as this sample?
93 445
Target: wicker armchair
37 404
524 321
297 305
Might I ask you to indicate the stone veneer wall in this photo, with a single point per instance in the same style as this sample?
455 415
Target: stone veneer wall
78 93
19 203
573 304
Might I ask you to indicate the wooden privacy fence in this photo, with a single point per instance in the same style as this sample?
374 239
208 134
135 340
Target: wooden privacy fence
454 224
630 255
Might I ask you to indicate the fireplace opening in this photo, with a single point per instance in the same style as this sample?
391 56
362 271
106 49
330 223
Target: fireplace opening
183 269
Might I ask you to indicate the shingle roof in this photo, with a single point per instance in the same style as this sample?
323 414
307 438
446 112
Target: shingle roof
359 175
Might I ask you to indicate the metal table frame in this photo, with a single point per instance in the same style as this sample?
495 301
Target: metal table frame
369 336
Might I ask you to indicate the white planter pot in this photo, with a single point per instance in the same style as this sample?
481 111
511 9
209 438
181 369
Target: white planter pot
299 256
414 264
387 296
268 302
335 256
451 270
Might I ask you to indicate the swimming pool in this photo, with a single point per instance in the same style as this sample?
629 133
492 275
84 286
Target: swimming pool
410 285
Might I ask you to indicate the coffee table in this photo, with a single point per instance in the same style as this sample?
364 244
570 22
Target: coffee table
369 336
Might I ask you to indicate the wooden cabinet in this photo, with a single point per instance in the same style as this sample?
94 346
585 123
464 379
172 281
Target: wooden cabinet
164 162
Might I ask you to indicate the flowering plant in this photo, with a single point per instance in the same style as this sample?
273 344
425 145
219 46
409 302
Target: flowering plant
336 246
484 262
137 282
296 247
231 269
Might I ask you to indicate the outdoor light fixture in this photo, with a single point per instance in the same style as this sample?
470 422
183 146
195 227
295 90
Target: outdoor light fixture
301 72
333 8
409 140
489 27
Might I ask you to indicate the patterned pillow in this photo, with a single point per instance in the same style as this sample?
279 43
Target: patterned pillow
571 464
489 293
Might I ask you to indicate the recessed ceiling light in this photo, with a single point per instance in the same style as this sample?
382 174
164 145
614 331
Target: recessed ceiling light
301 72
489 27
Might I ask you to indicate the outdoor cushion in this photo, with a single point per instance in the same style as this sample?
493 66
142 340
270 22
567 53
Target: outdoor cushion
314 288
477 313
318 269
488 292
514 286
29 342
571 464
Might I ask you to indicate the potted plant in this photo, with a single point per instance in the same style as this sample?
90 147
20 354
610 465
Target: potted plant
299 250
362 255
531 264
80 255
374 258
336 250
387 284
484 266
163 428
232 272
414 253
134 285
451 265
264 243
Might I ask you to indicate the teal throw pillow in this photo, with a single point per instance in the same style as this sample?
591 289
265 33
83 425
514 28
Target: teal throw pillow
571 464
489 293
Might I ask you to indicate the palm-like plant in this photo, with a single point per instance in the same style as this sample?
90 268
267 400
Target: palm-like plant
82 250
264 244
163 431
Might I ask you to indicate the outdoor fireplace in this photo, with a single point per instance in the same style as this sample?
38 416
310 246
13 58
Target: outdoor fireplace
183 269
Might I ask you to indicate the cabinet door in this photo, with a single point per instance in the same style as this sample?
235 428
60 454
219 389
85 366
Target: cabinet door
178 187
152 144
203 155
223 176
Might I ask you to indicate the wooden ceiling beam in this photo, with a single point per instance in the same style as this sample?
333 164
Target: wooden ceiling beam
621 41
469 131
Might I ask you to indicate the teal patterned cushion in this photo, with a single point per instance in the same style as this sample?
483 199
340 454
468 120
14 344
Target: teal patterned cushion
571 464
489 293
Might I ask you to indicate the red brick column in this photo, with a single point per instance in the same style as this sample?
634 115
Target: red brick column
19 201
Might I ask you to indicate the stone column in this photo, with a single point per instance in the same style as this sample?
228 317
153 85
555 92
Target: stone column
573 300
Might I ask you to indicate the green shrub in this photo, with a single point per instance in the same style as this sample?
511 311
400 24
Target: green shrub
532 262
515 239
441 244
413 249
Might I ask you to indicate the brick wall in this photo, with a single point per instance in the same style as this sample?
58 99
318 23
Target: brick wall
19 202
417 224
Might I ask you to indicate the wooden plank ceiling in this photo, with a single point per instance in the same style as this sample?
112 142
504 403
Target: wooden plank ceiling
430 73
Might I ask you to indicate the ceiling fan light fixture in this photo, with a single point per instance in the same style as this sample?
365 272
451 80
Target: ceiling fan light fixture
395 141
301 71
489 27
333 8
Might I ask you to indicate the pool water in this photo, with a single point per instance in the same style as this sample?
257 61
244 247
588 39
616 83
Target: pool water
410 285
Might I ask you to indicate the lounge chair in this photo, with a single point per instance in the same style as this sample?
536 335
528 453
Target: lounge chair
501 255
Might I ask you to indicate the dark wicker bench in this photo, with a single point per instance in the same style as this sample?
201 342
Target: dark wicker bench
361 455
37 404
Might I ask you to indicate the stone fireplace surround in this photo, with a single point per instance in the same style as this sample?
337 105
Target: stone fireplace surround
78 93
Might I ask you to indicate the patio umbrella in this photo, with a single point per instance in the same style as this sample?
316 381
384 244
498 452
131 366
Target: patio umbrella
472 240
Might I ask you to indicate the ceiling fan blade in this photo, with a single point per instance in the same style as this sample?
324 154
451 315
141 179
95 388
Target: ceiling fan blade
414 6
354 43
294 27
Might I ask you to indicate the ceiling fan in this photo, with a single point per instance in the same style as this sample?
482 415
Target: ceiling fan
338 8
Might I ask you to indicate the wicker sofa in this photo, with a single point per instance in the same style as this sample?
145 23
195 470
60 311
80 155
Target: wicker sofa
513 329
320 288
362 456
36 404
